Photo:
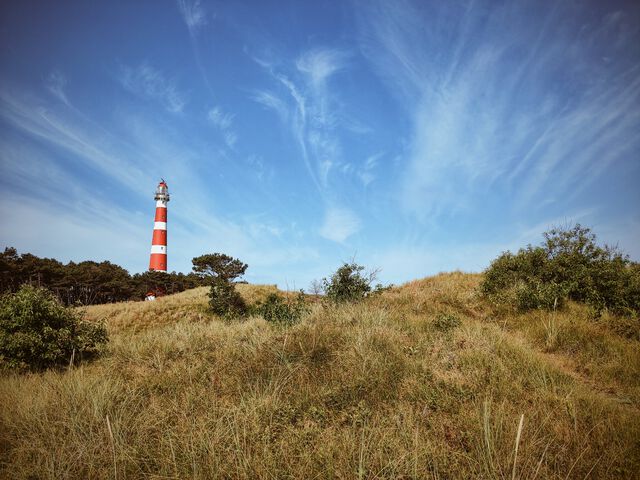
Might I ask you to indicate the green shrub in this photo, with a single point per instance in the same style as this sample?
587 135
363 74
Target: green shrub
349 283
569 265
445 322
278 309
37 331
537 294
225 300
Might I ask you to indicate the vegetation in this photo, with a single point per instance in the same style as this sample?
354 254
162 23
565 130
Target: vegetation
389 387
569 265
37 331
219 265
349 283
418 381
224 299
282 310
86 283
220 270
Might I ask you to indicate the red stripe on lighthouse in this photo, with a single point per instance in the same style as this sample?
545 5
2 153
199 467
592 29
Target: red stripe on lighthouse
161 214
158 257
159 237
158 262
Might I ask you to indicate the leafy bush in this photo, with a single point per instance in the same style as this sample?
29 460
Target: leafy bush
446 322
568 265
349 284
225 300
37 331
278 309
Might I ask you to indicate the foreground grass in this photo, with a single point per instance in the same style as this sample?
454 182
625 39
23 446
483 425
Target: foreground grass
395 387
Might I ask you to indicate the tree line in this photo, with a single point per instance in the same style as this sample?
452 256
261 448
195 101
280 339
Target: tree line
88 282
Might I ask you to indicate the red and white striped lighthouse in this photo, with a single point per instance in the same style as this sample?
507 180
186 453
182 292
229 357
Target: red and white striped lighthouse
158 260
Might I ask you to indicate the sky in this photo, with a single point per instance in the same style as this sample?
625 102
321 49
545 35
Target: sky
413 137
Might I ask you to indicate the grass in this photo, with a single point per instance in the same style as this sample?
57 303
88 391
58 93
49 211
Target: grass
424 381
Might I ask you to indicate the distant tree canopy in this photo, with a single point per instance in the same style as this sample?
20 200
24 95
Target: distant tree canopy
218 265
86 282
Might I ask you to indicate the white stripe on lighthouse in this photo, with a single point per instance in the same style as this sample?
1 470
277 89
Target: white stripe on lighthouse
161 204
159 249
159 225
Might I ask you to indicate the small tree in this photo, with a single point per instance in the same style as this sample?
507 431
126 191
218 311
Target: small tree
219 265
37 331
224 299
349 283
222 270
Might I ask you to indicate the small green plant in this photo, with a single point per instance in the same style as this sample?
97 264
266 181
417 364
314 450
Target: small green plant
224 299
278 309
37 331
445 322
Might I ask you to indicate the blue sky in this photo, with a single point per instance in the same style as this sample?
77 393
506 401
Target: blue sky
418 137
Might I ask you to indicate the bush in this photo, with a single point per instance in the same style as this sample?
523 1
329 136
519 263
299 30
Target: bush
225 300
37 331
569 265
445 322
278 309
349 284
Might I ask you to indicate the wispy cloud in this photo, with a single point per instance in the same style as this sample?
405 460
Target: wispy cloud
219 118
339 224
150 83
224 122
272 102
56 83
193 13
366 173
319 64
309 111
528 107
32 117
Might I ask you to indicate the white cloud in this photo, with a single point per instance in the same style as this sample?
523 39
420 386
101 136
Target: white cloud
150 83
549 124
311 110
56 83
366 174
224 121
339 224
73 135
272 102
193 14
321 63
219 118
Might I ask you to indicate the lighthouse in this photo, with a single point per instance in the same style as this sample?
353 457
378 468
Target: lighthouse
158 260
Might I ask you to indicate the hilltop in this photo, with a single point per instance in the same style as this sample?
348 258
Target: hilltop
421 381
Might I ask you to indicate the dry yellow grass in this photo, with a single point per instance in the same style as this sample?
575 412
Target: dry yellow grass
374 390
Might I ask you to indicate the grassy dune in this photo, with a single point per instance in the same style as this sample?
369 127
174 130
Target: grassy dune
420 382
